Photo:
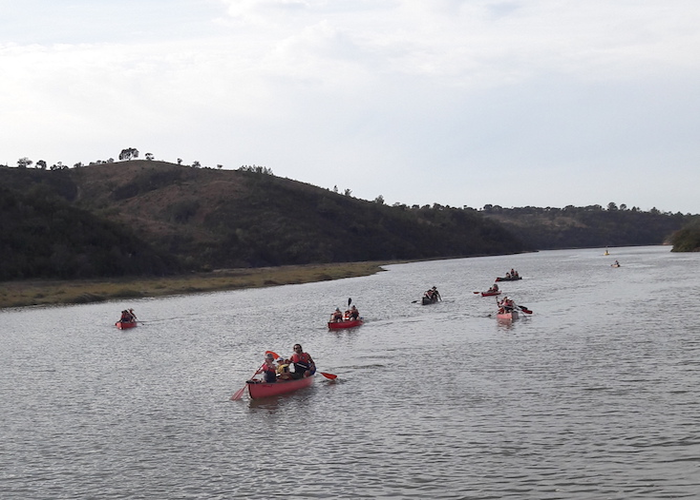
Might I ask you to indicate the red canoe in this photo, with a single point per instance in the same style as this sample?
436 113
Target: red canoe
123 325
490 294
509 316
259 390
337 325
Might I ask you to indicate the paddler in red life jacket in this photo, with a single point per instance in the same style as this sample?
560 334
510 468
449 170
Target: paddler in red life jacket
507 304
337 316
268 369
304 366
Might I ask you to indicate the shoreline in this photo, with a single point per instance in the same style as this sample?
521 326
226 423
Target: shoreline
17 294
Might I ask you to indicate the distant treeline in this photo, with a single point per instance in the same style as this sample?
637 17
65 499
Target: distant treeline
590 226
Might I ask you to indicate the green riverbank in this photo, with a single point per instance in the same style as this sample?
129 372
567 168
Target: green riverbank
50 292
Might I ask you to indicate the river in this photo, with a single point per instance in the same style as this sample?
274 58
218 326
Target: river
596 395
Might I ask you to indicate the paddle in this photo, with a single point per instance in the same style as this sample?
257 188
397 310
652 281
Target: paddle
525 309
239 393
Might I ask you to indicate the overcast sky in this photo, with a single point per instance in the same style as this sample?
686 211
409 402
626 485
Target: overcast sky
456 102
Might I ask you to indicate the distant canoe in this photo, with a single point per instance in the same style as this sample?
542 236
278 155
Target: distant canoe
259 390
338 325
123 325
491 293
509 278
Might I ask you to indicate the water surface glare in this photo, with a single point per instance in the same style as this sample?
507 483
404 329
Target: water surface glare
594 396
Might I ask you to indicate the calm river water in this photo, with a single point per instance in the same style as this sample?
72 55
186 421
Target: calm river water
594 396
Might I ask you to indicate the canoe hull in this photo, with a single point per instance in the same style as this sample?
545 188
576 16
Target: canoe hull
427 300
509 279
263 390
509 316
122 325
490 294
338 325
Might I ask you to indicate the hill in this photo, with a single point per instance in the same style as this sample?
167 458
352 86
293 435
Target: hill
146 217
208 219
41 236
591 226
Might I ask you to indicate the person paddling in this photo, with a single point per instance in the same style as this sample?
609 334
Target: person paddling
268 369
304 366
337 316
507 304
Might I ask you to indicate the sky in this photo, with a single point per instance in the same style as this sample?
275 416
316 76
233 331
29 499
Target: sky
544 103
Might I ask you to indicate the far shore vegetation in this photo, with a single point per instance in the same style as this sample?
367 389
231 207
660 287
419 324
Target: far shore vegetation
55 292
146 228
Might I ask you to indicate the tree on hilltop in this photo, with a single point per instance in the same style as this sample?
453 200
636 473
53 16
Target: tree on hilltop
24 162
129 153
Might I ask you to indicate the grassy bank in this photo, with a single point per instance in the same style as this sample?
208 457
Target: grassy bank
32 293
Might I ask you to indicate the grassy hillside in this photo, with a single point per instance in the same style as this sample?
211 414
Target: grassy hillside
210 219
145 217
44 237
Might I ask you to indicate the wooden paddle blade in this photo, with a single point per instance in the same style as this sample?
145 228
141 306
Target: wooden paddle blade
238 394
329 375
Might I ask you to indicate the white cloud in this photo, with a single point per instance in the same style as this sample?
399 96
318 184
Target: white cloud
459 40
331 92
